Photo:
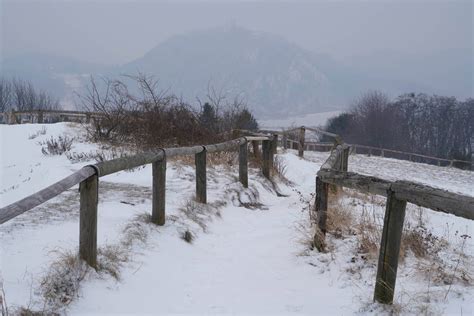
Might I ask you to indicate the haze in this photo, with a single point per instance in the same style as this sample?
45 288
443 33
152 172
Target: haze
379 36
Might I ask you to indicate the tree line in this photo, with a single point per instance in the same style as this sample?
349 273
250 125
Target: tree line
426 124
20 95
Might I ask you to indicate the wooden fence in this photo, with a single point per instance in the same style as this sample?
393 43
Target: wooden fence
295 139
48 116
335 172
88 180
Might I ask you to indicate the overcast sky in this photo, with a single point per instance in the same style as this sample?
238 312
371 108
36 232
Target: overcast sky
115 32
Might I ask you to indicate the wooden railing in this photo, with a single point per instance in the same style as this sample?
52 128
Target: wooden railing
47 116
301 144
88 180
334 172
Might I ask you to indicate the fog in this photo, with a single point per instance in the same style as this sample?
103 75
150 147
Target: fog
414 46
115 32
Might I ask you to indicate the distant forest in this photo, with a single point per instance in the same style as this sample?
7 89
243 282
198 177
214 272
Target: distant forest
431 125
20 95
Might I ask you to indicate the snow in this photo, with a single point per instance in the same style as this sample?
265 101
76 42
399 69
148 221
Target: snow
248 261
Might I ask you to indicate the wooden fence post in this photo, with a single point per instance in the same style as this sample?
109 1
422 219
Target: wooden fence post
201 190
89 192
256 152
158 213
266 158
389 249
274 144
285 141
301 142
243 165
321 209
345 157
382 153
40 117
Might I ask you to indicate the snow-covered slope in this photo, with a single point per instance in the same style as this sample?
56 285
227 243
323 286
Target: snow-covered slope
243 260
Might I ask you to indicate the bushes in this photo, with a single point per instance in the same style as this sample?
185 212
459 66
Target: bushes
149 119
57 146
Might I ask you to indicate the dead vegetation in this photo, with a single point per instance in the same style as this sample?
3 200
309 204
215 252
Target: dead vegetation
358 219
56 146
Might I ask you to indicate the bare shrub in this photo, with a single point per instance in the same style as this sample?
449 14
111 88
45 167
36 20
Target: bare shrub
42 131
57 146
187 236
153 118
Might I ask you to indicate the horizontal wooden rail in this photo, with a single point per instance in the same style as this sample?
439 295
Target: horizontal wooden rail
419 194
23 205
409 154
399 193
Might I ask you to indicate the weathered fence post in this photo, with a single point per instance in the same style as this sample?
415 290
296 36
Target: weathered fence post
274 144
243 165
301 142
256 152
40 117
382 153
284 141
201 190
321 209
89 192
345 157
158 213
389 249
266 158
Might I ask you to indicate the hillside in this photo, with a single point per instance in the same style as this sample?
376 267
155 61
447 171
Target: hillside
275 77
249 254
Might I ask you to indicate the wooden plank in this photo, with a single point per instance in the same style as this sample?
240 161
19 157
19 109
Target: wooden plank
301 142
416 193
229 145
124 163
389 249
363 183
158 213
13 210
334 160
201 185
436 199
89 189
243 165
285 141
266 156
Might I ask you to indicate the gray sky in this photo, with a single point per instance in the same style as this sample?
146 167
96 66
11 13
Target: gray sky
118 31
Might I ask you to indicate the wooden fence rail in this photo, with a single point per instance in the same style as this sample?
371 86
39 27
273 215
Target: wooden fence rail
398 193
88 180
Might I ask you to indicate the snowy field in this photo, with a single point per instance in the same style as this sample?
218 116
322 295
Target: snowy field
249 254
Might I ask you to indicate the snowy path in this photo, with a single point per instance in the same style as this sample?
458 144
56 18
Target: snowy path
248 262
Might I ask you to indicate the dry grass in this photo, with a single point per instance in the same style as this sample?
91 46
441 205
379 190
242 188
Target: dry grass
248 198
201 214
61 284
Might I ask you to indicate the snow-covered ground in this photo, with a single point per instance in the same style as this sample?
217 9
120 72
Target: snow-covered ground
243 261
